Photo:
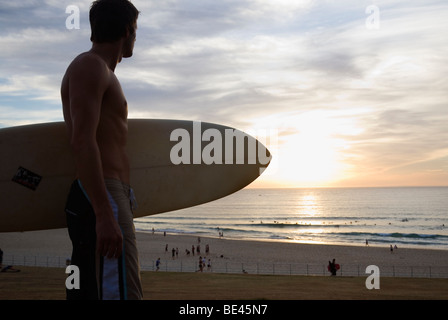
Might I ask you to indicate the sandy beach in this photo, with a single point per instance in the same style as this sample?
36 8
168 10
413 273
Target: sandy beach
265 263
234 255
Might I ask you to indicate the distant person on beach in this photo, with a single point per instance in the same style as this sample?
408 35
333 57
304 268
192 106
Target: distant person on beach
100 203
9 269
332 267
209 265
201 266
157 264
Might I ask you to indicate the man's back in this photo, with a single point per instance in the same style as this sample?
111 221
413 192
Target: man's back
94 104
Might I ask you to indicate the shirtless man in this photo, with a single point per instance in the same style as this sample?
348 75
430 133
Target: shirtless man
99 205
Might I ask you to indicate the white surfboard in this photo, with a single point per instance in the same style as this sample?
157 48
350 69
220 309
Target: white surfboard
175 164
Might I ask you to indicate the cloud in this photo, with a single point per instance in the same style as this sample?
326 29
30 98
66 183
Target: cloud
253 63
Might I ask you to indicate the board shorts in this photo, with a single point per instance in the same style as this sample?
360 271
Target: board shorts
102 278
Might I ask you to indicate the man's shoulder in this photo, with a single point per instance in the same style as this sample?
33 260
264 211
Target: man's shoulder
88 57
88 62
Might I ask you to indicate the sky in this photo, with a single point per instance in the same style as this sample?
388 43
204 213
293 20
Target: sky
349 93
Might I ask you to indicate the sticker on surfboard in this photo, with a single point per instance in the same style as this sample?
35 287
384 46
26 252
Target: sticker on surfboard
27 178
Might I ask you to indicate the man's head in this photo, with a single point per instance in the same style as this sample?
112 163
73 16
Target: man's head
112 20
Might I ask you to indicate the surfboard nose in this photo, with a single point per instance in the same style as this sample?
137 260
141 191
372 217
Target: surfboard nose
266 157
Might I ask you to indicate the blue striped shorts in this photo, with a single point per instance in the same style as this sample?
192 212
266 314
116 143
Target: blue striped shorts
101 277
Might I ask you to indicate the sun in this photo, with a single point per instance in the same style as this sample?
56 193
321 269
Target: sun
310 156
311 148
307 160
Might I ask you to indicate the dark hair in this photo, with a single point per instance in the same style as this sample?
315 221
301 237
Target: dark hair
110 19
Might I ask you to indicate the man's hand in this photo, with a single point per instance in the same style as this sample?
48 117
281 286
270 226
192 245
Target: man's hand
109 239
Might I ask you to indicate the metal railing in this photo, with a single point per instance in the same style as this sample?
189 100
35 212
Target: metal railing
225 266
353 270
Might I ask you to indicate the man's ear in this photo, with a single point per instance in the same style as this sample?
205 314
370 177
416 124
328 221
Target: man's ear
131 29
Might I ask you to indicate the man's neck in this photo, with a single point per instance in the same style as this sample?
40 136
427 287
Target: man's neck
110 52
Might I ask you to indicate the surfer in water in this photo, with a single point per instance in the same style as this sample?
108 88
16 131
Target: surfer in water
100 203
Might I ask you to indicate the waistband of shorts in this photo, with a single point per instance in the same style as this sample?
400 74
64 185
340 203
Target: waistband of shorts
116 182
127 189
113 182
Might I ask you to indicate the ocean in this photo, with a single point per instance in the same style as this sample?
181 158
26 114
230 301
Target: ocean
412 217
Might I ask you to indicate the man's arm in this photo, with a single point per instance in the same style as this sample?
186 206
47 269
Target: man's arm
87 83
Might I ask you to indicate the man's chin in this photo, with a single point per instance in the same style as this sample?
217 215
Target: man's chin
125 56
128 54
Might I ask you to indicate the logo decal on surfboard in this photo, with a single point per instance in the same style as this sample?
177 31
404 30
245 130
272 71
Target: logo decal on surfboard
27 178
